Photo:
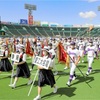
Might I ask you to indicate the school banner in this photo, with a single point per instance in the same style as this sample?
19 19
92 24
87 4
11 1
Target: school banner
28 48
62 55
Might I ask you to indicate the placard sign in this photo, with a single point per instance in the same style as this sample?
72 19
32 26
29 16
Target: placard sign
43 62
1 52
15 57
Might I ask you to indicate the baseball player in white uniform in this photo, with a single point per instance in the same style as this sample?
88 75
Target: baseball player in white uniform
81 46
74 59
90 56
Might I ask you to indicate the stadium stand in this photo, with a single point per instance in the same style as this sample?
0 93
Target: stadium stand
47 31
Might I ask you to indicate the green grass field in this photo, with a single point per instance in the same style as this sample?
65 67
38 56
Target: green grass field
81 89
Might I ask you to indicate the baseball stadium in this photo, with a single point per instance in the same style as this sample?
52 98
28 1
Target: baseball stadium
43 60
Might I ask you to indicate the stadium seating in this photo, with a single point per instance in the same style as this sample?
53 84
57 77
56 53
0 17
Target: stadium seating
47 31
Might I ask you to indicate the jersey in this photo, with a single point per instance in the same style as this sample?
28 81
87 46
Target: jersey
90 51
81 45
73 53
68 45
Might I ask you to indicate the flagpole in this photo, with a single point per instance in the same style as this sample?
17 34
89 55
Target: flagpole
33 82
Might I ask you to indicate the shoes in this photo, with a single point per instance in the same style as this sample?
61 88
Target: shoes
66 68
55 89
12 85
68 83
90 70
56 73
82 61
74 77
31 69
29 82
87 73
37 98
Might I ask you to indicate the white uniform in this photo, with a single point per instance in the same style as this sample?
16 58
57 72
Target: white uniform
54 45
73 57
65 45
17 47
90 56
36 53
52 54
95 43
68 45
81 46
39 48
73 54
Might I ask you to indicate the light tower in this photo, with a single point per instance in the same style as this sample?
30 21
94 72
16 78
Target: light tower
30 7
0 23
98 8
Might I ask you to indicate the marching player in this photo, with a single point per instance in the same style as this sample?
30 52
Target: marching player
74 59
45 76
5 64
81 46
39 46
17 45
22 69
52 55
67 48
35 52
90 56
54 46
65 44
95 43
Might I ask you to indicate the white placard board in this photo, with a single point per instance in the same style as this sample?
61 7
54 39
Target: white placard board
43 62
15 57
12 56
1 52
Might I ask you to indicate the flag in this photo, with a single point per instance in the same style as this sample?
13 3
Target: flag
67 60
62 55
42 50
28 48
90 27
7 43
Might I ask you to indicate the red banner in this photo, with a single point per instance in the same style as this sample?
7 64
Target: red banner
28 48
30 20
62 55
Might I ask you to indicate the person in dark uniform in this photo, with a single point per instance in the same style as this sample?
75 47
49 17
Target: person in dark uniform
22 69
45 76
5 64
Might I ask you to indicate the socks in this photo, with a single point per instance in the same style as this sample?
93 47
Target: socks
71 77
89 68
